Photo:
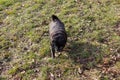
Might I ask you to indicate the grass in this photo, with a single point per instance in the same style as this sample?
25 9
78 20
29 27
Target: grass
92 40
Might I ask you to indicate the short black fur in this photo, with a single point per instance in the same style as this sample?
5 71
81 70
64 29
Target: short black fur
54 18
58 36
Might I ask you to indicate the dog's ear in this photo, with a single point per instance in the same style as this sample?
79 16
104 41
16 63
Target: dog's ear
55 18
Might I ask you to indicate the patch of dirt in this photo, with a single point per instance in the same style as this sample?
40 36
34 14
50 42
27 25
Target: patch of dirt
117 28
108 66
1 23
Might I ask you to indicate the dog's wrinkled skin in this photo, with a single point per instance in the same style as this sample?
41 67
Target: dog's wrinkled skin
58 36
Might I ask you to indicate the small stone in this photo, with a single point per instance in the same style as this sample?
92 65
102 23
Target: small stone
22 72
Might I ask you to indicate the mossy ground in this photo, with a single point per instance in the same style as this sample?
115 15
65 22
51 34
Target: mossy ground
92 51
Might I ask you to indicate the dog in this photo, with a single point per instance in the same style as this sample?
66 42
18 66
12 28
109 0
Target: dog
57 34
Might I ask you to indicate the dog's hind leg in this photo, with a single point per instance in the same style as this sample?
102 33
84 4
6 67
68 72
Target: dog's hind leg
52 50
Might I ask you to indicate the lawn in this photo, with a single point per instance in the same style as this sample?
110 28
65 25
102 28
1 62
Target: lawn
92 51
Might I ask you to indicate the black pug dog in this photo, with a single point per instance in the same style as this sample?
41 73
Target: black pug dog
58 36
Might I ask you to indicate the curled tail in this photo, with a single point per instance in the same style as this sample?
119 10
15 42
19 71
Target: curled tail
54 18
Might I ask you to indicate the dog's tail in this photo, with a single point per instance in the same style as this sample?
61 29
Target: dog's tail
55 18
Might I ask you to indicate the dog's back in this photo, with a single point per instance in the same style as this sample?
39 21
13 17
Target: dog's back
56 25
58 34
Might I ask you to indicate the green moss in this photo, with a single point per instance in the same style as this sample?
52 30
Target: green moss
118 64
45 47
104 78
6 2
2 78
45 73
14 70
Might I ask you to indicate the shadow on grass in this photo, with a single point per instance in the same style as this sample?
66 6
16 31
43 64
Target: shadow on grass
87 54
